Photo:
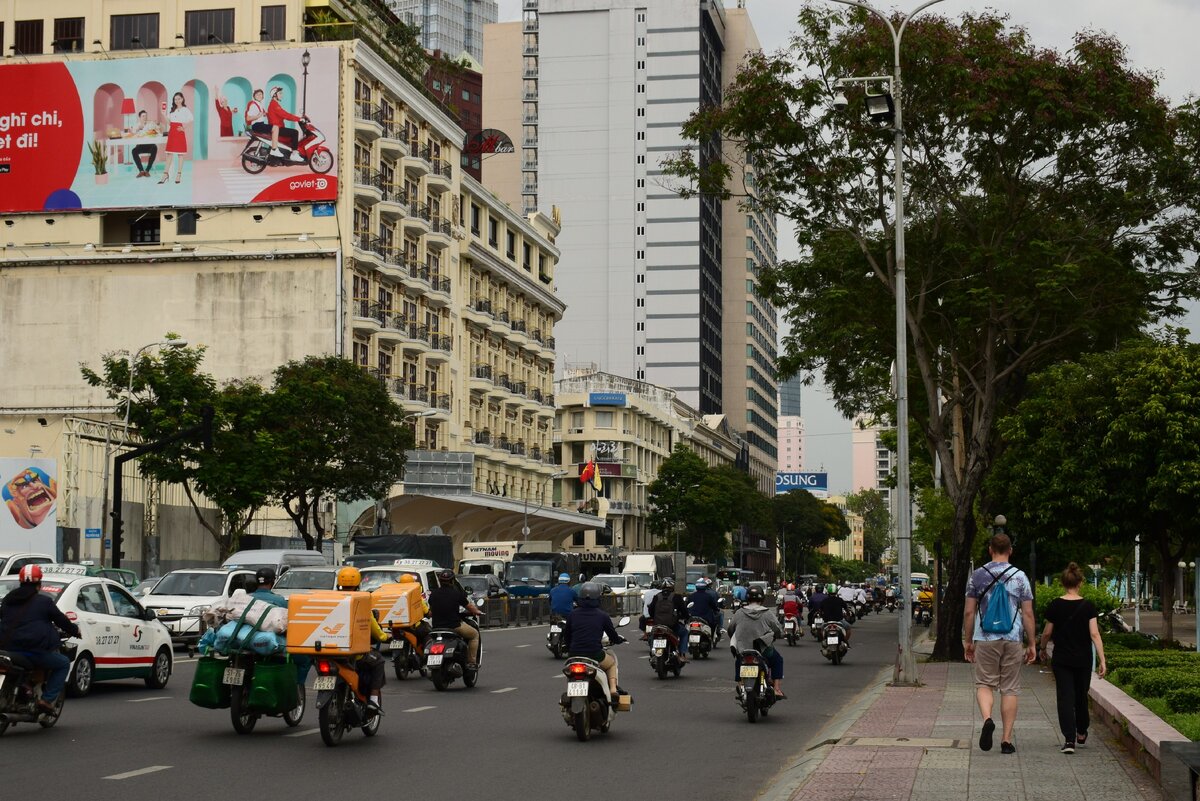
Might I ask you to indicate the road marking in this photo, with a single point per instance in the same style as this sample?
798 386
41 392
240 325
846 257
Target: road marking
144 700
304 733
521 646
420 708
560 675
142 772
503 690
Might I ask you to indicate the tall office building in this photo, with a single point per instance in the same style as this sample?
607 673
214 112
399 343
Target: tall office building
451 26
871 461
789 396
663 288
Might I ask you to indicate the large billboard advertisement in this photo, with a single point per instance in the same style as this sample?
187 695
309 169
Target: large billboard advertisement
30 493
816 483
220 129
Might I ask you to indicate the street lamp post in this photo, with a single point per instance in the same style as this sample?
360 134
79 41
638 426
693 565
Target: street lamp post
538 508
1184 567
131 366
906 664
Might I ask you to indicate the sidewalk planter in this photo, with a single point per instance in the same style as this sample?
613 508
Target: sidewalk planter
1141 731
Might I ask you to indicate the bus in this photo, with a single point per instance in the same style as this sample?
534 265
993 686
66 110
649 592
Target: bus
735 575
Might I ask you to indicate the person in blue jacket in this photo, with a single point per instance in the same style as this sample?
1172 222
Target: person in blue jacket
264 590
703 604
584 634
29 626
563 598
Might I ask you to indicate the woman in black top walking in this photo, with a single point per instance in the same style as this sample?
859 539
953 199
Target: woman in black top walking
1071 624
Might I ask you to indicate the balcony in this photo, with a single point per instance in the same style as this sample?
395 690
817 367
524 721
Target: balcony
529 72
367 185
439 291
441 176
530 97
529 141
416 394
530 5
415 336
483 437
393 202
518 388
441 346
366 315
368 248
536 395
440 234
368 119
392 141
529 119
529 189
418 219
545 277
529 49
501 386
530 26
416 160
499 322
478 311
535 453
529 166
481 378
518 448
440 400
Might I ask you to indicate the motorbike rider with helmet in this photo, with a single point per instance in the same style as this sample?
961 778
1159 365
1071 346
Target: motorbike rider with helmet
703 604
814 602
563 597
751 626
670 610
444 605
371 666
584 629
791 602
833 610
421 628
29 624
648 596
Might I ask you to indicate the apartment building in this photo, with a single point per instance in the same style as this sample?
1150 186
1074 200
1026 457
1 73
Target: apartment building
453 26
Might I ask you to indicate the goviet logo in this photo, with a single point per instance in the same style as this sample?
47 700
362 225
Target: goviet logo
318 184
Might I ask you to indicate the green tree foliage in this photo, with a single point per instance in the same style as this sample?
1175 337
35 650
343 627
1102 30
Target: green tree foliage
1052 197
877 521
340 436
804 523
1107 448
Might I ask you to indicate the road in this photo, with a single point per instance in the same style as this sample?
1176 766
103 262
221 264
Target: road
502 740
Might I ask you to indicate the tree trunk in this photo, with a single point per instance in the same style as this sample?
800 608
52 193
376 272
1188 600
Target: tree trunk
1167 562
950 621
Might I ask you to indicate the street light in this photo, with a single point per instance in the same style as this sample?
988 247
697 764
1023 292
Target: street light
525 526
1195 598
906 665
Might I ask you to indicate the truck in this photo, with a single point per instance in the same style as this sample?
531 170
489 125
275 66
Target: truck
656 564
533 573
386 549
493 557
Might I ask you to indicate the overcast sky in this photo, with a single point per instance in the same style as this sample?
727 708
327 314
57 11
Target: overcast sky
1160 37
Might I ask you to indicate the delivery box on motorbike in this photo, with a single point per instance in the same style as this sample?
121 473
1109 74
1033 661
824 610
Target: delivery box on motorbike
624 702
329 623
398 604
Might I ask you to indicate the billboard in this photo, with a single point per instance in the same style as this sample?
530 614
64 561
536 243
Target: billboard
816 483
30 493
606 399
169 131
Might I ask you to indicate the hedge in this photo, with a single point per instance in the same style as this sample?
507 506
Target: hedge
1184 700
1157 682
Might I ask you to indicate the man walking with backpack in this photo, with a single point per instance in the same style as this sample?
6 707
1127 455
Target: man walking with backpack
997 619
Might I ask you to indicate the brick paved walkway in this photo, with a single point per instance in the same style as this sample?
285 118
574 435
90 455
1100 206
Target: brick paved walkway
871 763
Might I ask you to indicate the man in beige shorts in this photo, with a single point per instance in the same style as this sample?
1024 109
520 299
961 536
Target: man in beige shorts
993 638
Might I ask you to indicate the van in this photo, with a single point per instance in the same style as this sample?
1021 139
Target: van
279 559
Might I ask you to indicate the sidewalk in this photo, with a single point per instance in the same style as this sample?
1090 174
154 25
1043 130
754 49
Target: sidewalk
922 744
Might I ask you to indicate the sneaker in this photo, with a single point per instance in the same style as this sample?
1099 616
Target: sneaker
1068 747
46 706
1080 739
276 152
985 736
373 706
1008 748
297 157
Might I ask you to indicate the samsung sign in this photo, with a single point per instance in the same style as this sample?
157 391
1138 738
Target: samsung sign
813 482
606 399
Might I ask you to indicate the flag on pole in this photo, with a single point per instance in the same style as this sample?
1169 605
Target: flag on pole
585 475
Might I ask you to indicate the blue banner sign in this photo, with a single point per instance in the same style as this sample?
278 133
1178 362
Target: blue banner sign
606 399
91 533
813 482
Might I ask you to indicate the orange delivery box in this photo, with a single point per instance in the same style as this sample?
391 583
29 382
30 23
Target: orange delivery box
399 604
329 623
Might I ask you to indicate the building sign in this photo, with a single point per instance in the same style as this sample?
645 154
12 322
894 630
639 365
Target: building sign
605 468
816 483
606 399
30 493
166 131
487 142
607 449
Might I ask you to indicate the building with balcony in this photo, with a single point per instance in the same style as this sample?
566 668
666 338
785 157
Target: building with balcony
381 251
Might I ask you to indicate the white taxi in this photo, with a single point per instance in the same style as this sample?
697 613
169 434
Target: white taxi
121 640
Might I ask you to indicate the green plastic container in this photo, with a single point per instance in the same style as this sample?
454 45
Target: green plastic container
208 689
273 687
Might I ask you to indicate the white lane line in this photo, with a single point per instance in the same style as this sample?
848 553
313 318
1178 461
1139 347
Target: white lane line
142 772
522 646
420 708
560 675
503 690
144 700
304 733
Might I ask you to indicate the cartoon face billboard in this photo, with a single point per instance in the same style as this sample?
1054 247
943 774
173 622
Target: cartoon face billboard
30 494
170 130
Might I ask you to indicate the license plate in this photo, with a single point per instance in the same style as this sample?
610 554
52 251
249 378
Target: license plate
831 640
556 629
818 622
395 645
660 644
789 625
577 689
694 638
234 676
749 672
434 660
324 683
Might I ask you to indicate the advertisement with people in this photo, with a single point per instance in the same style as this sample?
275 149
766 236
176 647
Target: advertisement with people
30 494
181 130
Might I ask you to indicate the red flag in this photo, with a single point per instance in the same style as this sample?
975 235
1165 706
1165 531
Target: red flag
585 475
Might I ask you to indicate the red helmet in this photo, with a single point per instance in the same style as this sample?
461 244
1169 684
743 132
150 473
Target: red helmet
30 574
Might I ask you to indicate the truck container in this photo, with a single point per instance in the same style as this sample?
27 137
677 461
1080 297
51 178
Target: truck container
534 573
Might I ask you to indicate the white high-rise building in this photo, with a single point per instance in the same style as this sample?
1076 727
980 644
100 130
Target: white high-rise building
452 26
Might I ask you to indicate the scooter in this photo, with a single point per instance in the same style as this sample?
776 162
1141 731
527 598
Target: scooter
446 658
833 643
554 638
587 704
891 604
818 623
922 615
21 685
755 691
664 652
407 656
850 616
791 629
700 638
247 701
340 704
256 155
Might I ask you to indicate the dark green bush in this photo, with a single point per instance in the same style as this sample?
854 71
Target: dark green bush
1132 641
1157 682
1184 700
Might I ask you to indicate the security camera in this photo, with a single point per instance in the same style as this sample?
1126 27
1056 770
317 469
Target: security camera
840 102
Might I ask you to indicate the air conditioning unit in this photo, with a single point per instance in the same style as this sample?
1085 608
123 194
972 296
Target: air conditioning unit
574 430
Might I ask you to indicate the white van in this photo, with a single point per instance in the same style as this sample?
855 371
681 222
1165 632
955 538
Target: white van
279 559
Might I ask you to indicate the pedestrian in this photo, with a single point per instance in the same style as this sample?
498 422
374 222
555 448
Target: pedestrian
1000 601
1071 624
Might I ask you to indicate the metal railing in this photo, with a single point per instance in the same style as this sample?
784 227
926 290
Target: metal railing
535 611
440 400
483 437
482 305
483 371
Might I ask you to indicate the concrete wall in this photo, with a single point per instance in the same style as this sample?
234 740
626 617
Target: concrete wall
502 109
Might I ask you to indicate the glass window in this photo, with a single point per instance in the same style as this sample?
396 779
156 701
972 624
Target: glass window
604 419
274 24
123 605
68 35
576 419
124 28
212 26
91 599
186 223
27 39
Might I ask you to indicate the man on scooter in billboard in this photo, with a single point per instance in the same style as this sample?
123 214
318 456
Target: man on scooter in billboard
277 115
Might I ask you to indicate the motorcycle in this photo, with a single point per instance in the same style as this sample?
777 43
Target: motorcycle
256 156
891 604
587 704
833 642
878 608
791 629
861 609
340 704
246 705
406 653
700 638
755 690
554 638
664 652
850 616
818 623
922 615
446 658
21 685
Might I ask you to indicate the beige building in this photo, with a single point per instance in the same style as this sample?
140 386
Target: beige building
510 58
850 548
414 271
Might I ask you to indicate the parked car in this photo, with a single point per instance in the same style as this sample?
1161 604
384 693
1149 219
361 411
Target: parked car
126 578
279 559
306 579
11 563
181 596
482 586
619 583
144 586
121 638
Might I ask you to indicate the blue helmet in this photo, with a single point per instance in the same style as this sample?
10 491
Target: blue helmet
563 578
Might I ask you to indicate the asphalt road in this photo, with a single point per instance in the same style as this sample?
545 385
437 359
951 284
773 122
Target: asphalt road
504 739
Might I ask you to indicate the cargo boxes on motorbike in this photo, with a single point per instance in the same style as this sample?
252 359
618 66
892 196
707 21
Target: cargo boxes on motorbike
331 623
624 702
398 604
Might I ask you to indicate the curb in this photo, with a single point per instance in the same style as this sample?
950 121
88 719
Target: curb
785 783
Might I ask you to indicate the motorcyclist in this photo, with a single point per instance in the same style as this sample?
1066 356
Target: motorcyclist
924 600
421 628
670 610
371 666
703 604
814 602
563 597
584 630
860 595
264 585
445 604
648 595
29 625
753 626
739 592
791 601
833 610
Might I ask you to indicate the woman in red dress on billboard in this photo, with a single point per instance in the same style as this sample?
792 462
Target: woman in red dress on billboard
177 146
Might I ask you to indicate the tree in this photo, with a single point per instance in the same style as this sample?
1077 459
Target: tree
877 521
1107 448
1052 196
805 523
169 394
340 436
